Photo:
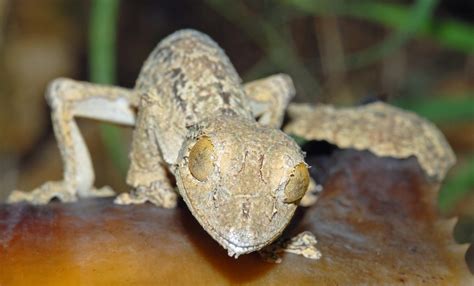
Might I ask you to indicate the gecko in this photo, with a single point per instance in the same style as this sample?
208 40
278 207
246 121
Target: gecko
197 124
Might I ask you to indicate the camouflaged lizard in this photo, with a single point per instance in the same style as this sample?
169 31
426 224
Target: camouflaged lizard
241 178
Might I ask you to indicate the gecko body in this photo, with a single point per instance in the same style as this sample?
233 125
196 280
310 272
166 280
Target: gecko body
193 119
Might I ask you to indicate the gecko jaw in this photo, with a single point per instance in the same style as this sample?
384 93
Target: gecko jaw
234 249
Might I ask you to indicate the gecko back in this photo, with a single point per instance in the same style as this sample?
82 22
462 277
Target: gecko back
194 73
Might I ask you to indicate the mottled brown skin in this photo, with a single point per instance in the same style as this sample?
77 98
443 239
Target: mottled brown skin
241 179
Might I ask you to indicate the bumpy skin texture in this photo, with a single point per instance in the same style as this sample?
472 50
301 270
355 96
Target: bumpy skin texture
242 201
378 127
244 179
186 79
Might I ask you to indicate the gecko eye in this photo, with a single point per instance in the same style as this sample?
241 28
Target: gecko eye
297 184
201 158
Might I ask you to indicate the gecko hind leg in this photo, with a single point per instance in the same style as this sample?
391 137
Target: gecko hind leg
69 99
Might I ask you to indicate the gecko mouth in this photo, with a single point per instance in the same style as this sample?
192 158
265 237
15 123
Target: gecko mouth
233 248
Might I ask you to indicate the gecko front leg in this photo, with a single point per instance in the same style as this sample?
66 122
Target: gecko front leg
69 99
269 97
303 244
312 194
148 173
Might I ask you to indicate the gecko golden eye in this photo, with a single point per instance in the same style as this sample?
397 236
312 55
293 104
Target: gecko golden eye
297 184
201 156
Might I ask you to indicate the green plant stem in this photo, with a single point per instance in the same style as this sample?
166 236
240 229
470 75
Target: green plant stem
102 68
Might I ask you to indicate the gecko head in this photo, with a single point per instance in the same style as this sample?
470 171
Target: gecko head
242 181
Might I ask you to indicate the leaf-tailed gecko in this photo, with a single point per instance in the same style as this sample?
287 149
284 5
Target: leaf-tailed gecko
239 174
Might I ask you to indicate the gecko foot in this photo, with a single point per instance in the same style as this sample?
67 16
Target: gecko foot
312 194
44 194
155 194
105 191
302 244
59 190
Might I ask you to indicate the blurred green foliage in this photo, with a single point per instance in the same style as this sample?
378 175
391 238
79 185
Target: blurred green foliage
102 68
458 186
441 108
408 23
451 33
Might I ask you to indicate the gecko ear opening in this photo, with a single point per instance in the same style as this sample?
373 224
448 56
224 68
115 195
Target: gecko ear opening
297 184
201 159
